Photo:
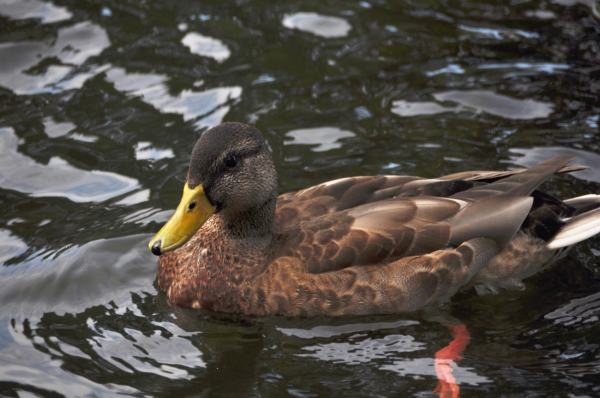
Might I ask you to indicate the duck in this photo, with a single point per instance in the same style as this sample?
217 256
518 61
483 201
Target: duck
358 245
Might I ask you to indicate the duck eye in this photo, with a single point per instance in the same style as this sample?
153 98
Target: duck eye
192 206
231 162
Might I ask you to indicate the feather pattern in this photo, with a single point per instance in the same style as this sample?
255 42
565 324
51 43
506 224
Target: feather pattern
362 245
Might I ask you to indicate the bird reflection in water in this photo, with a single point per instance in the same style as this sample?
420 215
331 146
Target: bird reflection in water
447 386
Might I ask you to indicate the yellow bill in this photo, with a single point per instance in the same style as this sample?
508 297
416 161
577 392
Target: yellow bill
193 211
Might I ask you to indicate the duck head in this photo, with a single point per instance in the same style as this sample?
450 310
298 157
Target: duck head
231 176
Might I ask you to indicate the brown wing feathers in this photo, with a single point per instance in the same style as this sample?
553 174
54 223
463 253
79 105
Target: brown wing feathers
384 231
374 233
338 195
346 193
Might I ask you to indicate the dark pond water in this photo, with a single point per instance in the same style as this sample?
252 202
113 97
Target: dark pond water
101 102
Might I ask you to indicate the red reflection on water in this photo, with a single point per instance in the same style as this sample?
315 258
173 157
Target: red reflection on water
447 386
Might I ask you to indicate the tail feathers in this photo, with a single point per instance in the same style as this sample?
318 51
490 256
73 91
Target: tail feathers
577 228
585 203
518 184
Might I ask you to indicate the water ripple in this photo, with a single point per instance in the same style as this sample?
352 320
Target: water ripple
319 25
57 178
72 46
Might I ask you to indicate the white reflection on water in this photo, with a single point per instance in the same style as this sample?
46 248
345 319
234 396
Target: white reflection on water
55 130
325 137
406 108
83 138
497 104
93 274
24 358
206 46
264 79
73 46
133 82
452 68
57 178
11 246
144 151
135 198
522 68
148 354
192 104
337 330
209 105
476 101
23 363
541 14
499 33
385 354
320 25
382 352
99 272
365 350
583 310
65 129
426 367
547 67
528 157
23 9
144 217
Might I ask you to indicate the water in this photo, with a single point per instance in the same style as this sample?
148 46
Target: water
101 102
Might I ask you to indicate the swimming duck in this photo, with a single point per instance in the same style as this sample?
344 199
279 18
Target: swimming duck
360 245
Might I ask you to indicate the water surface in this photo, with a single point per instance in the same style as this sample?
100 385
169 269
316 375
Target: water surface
101 102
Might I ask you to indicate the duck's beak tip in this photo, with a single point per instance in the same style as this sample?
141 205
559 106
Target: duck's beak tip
155 247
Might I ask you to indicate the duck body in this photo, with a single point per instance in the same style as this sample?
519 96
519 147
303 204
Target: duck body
359 245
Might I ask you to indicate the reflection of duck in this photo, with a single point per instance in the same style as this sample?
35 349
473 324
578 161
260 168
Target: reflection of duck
356 245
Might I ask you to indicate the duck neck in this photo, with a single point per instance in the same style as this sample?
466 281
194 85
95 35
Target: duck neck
249 223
